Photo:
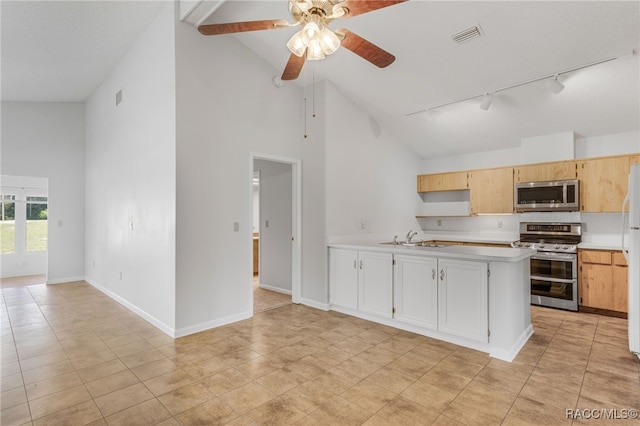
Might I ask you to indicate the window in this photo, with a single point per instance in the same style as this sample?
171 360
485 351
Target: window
36 230
8 223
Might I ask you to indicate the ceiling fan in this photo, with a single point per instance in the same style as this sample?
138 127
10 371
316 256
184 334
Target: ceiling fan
315 39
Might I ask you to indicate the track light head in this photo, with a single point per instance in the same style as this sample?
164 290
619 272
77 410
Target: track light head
554 85
486 101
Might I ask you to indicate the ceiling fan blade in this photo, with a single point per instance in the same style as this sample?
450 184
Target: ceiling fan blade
358 7
239 27
365 49
294 66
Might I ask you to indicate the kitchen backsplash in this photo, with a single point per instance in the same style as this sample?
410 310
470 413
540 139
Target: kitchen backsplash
593 223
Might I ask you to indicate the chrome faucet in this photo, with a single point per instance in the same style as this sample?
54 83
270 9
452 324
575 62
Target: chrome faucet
395 240
410 235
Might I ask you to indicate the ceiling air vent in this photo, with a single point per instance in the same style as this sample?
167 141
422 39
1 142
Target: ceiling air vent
466 35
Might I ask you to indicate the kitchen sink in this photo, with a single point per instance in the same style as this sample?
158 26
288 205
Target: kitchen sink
414 244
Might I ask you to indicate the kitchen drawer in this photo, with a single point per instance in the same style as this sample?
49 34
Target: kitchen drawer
596 256
618 259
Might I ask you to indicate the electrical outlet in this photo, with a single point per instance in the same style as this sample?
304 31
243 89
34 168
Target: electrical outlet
499 223
236 226
439 222
363 225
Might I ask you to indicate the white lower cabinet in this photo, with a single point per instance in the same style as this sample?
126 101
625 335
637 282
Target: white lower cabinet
375 283
416 290
445 295
361 280
343 278
463 306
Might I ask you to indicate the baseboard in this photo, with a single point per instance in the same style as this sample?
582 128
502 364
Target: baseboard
181 332
314 304
65 280
509 355
274 288
605 312
133 308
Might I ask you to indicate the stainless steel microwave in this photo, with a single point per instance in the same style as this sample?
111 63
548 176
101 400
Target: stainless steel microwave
557 195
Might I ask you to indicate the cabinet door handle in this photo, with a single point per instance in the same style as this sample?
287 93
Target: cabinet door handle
433 274
361 264
354 264
441 274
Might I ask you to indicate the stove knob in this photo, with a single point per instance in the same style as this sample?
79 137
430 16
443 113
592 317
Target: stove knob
527 245
565 247
541 245
557 246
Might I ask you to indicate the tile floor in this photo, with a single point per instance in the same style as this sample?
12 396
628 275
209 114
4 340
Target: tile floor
71 355
264 299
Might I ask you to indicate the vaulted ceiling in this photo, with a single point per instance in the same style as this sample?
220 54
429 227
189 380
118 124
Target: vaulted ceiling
49 49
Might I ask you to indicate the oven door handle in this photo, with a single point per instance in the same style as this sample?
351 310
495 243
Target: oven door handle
554 256
553 280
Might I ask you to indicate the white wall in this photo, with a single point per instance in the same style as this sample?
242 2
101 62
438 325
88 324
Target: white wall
601 146
315 289
585 147
276 225
130 178
227 107
371 178
47 140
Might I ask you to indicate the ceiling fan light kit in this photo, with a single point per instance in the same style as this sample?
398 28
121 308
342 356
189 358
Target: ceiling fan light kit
316 40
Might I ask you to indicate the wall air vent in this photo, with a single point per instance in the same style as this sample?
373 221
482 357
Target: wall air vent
466 35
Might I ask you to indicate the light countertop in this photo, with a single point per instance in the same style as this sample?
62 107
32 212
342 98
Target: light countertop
472 237
491 254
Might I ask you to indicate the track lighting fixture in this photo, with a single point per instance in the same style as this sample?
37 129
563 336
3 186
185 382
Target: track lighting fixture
486 101
554 85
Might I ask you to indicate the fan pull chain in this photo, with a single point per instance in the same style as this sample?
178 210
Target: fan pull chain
313 92
305 117
305 104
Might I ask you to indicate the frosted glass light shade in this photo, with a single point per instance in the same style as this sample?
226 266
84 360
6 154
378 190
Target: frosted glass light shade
329 42
296 44
310 31
314 51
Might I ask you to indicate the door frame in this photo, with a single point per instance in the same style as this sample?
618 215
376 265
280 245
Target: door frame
22 262
296 216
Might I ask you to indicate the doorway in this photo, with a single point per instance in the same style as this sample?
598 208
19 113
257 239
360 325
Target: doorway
23 230
275 231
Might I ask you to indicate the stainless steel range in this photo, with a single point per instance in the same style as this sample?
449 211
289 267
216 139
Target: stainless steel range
554 267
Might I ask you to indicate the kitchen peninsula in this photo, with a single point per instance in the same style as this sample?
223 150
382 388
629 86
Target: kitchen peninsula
473 296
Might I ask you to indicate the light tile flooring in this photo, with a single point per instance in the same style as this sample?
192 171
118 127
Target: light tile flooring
264 299
71 355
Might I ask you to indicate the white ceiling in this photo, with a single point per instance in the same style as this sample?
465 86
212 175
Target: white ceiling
55 50
62 50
